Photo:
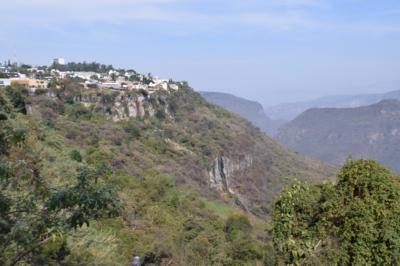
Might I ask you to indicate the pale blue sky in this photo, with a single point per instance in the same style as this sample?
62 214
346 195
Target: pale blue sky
267 50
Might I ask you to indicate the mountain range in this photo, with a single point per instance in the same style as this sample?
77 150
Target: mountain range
288 111
334 134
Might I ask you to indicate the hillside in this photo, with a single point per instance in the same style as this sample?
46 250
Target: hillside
288 111
250 110
185 172
332 134
178 134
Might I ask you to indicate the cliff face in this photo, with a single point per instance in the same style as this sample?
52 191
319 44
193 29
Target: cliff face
224 169
122 107
333 134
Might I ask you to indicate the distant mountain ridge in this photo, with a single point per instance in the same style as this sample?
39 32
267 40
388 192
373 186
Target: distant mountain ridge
288 111
250 110
333 134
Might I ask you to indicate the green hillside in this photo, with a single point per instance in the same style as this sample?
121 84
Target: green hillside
181 178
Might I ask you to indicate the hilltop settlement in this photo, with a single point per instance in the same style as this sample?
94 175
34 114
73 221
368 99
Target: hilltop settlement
89 75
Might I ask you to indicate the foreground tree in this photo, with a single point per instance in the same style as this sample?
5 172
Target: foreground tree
34 215
354 222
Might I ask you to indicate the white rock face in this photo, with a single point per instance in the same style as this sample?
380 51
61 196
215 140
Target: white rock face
123 107
224 168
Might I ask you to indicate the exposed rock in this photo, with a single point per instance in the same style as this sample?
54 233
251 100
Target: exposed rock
223 169
123 107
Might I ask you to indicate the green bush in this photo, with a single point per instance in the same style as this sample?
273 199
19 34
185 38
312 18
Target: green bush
76 155
18 96
354 222
132 130
160 114
236 224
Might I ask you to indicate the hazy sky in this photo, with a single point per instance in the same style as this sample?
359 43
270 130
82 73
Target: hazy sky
267 50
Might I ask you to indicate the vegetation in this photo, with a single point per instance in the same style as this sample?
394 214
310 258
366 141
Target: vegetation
84 66
75 161
78 188
354 222
35 212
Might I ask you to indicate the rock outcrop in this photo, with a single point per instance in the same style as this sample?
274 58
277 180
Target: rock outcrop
122 107
224 169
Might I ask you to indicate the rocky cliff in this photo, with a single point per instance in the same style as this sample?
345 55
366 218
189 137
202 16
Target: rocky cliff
224 168
123 106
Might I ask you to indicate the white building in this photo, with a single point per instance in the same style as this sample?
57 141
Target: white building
5 69
111 85
5 82
84 75
173 87
59 61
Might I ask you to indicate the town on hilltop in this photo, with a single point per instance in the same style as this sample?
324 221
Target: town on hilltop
89 75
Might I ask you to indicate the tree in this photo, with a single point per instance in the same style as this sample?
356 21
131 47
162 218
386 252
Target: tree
17 95
32 218
113 76
34 215
354 222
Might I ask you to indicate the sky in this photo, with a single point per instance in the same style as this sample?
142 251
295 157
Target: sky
271 51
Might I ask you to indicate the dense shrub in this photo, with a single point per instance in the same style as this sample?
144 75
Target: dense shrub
160 114
35 216
17 96
354 222
76 155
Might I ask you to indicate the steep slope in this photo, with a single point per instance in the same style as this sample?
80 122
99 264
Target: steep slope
189 175
250 110
288 111
332 134
179 134
61 206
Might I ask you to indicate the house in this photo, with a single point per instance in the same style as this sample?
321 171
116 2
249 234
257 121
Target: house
21 82
159 84
38 84
15 75
111 85
5 82
85 75
128 85
173 87
59 61
138 86
31 84
91 84
5 69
